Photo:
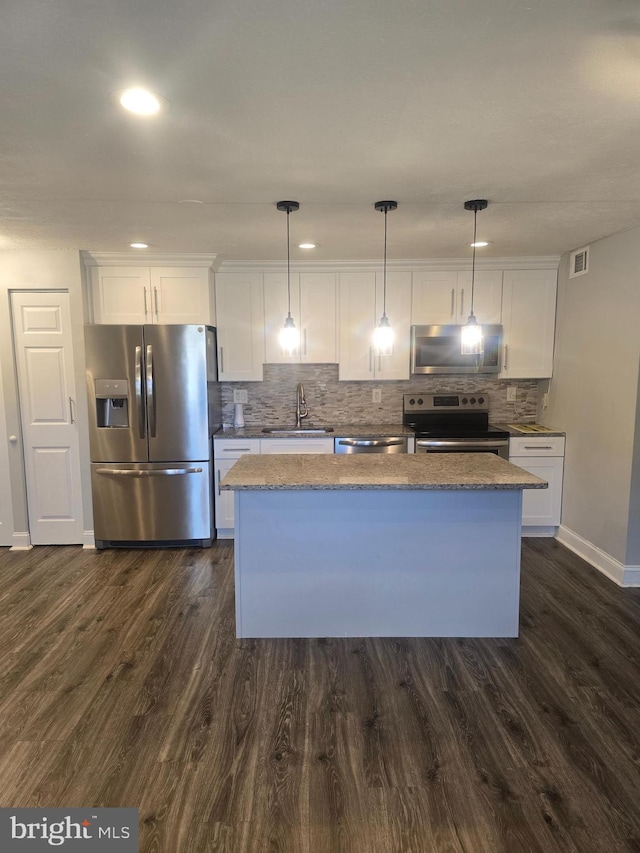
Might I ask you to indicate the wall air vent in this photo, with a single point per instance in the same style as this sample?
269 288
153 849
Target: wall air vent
579 262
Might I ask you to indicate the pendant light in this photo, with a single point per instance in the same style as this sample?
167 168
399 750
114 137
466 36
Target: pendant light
289 336
471 342
383 334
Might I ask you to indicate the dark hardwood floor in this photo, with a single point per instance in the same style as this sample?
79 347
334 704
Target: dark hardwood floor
122 684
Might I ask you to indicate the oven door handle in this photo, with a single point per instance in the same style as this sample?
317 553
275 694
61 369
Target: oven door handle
459 442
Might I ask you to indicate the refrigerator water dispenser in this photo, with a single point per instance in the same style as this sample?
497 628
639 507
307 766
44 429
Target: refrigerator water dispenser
112 403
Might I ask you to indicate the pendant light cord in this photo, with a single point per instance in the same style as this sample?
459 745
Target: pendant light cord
473 260
289 269
384 269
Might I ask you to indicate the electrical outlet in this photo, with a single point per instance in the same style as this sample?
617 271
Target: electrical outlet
240 397
376 395
512 394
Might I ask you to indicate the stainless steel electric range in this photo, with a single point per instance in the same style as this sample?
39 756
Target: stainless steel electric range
453 423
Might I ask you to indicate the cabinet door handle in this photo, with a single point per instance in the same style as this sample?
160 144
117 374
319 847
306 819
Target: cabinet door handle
304 338
452 301
506 353
146 310
370 359
221 359
462 303
72 416
219 477
155 299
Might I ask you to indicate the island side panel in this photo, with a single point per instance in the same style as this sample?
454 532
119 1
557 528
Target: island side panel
376 563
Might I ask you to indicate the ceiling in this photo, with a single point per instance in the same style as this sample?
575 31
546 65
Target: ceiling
531 104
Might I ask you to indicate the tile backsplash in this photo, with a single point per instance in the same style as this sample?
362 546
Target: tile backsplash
330 402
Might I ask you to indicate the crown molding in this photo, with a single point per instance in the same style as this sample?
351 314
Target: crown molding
140 258
215 262
536 262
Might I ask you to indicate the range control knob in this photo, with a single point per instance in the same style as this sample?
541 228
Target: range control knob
472 400
412 402
481 400
464 401
420 401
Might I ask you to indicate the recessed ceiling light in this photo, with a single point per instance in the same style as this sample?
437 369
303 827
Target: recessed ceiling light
142 102
480 244
190 201
307 245
139 245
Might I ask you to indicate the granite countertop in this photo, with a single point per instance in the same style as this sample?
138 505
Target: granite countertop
529 430
378 471
339 430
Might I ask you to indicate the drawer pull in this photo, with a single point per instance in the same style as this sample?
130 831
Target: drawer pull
538 447
235 449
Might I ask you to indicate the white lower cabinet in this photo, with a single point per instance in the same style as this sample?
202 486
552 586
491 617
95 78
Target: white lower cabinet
544 457
227 451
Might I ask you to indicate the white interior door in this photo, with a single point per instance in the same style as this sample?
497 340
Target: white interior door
6 513
43 345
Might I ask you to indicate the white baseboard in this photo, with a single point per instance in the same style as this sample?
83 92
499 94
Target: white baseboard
626 576
539 531
88 541
21 542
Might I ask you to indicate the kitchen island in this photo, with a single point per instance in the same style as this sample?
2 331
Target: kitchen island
377 545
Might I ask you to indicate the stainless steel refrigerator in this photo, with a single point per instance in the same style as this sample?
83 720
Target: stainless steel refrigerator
154 404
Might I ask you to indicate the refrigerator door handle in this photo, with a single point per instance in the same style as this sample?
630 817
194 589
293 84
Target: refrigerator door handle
151 400
138 384
162 472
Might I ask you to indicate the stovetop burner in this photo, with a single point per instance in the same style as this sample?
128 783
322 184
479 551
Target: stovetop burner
448 415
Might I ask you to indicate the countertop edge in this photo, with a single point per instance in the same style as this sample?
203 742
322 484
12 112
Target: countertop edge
378 487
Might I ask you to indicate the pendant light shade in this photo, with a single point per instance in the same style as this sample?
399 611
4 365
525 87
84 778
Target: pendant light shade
289 337
383 334
471 340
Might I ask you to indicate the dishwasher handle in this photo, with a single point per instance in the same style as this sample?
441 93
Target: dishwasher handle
371 442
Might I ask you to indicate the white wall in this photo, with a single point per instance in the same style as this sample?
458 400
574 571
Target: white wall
594 396
40 270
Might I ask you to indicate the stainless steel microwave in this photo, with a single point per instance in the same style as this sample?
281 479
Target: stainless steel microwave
436 349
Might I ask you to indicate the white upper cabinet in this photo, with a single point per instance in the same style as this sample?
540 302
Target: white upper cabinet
240 321
151 295
182 295
443 297
313 308
487 296
361 306
528 317
121 294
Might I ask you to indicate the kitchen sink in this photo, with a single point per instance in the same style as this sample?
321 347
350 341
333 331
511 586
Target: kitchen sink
297 430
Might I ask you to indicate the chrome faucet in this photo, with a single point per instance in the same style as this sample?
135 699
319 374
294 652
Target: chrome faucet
301 405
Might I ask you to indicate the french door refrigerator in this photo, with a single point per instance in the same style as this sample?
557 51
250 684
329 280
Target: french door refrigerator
154 404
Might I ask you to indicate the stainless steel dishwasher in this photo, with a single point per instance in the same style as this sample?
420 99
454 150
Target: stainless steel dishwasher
364 444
